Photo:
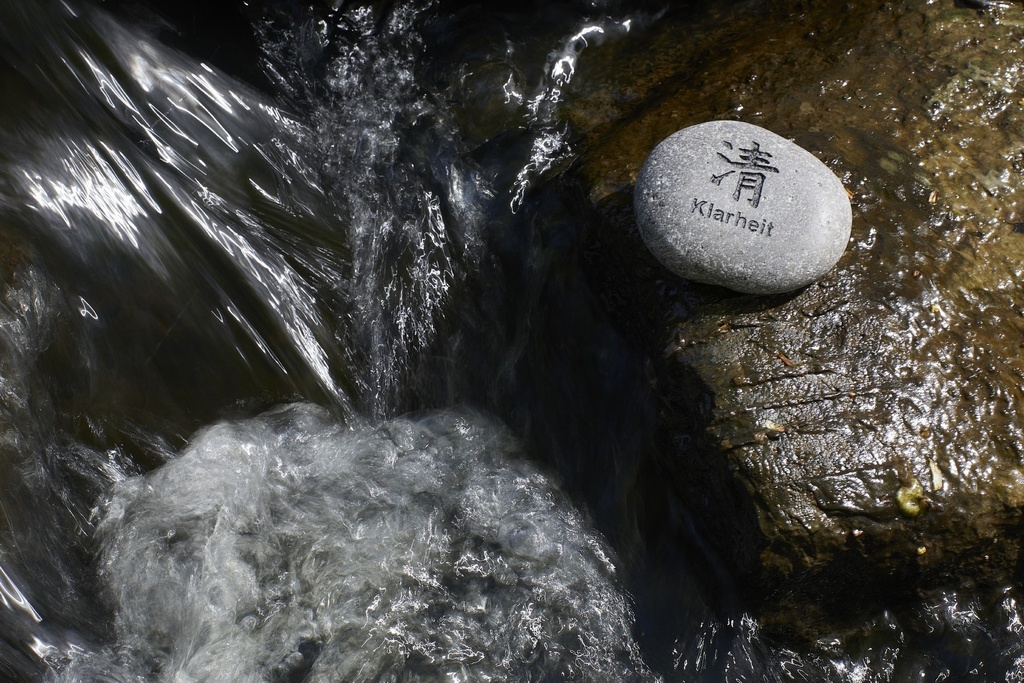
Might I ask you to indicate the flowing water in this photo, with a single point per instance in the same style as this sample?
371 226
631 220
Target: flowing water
301 381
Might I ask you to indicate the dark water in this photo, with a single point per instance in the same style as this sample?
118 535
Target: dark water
301 379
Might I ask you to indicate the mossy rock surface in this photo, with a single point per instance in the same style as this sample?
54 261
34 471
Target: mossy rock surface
862 436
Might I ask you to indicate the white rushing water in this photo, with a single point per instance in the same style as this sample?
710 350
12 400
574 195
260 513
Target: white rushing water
425 549
178 233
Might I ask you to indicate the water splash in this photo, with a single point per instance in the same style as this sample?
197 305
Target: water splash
287 546
551 144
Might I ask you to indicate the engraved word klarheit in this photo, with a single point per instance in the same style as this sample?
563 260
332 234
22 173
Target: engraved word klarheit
707 209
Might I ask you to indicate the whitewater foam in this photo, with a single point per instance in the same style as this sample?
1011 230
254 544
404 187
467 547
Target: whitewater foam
287 547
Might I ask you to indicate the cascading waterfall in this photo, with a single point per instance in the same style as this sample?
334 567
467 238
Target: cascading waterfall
236 244
393 173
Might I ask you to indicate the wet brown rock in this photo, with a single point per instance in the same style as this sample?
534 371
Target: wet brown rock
861 438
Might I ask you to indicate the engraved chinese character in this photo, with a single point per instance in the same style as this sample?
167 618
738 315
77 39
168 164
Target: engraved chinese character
754 162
